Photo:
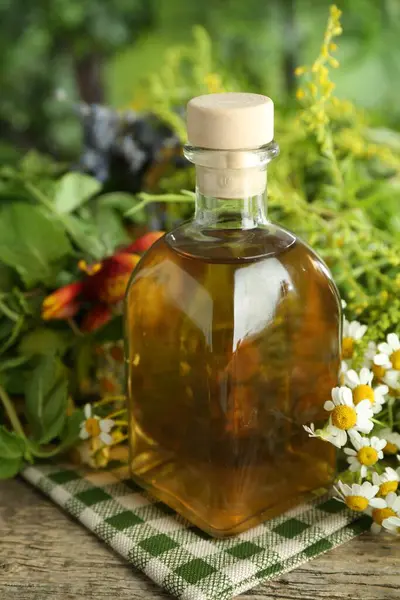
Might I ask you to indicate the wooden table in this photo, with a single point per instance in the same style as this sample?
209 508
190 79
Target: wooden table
45 555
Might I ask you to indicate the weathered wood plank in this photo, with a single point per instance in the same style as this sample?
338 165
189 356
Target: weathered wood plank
45 555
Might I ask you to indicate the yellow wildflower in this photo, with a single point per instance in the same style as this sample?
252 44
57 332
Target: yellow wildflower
299 71
313 89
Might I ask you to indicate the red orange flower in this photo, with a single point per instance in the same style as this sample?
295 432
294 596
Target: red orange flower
103 286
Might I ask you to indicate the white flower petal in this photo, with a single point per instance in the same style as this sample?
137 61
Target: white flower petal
363 408
376 480
352 378
347 396
393 341
369 490
356 439
385 348
106 425
336 396
350 451
392 378
87 410
355 466
106 438
365 426
341 438
83 434
366 376
381 390
394 521
382 360
396 504
344 488
377 502
391 474
329 405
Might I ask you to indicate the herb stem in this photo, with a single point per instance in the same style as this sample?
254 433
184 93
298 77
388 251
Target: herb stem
11 413
390 413
109 400
13 316
116 413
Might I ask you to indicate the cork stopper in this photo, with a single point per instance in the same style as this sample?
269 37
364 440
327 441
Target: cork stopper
227 134
230 121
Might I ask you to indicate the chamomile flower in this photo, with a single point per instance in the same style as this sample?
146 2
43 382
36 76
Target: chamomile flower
367 452
359 497
392 525
392 440
362 389
388 482
389 510
389 353
392 379
96 428
353 331
346 417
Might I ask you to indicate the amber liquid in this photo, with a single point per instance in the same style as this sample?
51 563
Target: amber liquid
232 345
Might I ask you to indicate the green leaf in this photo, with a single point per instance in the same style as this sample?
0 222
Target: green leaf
85 236
9 467
12 446
6 327
31 242
121 201
11 340
110 229
72 427
39 165
73 190
46 399
44 340
6 278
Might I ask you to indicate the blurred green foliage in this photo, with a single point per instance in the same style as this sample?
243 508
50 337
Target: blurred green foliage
102 51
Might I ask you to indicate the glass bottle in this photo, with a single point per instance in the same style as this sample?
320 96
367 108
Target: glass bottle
232 339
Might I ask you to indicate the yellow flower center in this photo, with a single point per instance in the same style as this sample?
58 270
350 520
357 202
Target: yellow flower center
114 288
387 487
380 514
344 417
363 392
92 427
390 448
89 269
395 360
358 503
378 371
367 456
347 347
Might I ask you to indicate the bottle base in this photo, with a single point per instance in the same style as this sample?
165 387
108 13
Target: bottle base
223 503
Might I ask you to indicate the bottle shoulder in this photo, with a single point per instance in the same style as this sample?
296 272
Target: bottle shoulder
230 245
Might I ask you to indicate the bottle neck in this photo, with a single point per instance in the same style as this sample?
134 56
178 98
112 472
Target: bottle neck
233 213
231 186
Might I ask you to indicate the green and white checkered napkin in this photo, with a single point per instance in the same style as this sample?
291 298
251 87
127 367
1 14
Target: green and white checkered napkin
179 557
